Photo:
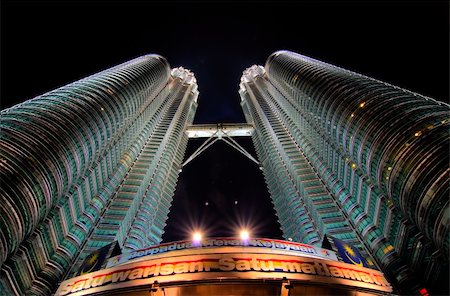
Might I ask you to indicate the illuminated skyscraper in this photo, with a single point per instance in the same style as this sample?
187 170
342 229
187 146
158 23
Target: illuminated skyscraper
344 156
87 164
356 159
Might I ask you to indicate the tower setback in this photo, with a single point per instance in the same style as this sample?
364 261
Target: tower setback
354 158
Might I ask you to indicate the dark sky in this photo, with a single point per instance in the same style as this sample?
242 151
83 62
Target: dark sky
45 45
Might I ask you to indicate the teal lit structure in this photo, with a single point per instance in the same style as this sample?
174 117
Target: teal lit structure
88 164
357 159
344 156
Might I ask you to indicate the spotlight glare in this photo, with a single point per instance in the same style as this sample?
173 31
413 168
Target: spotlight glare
197 237
244 234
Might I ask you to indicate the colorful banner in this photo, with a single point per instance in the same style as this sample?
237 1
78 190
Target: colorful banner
293 247
349 254
224 263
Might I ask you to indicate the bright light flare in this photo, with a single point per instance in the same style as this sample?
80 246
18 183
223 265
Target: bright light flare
197 237
245 235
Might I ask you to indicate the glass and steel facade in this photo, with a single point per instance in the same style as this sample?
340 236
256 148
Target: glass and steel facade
343 155
87 164
356 158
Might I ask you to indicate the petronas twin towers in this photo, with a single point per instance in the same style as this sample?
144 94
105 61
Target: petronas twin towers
343 155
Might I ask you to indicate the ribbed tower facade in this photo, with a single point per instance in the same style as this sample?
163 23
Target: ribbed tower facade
88 164
355 158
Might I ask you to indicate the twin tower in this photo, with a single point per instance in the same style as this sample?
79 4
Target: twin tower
343 155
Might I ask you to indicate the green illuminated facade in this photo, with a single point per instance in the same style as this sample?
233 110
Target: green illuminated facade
87 164
355 158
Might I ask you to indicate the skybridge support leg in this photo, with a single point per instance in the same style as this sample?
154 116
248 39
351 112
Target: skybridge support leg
239 148
200 149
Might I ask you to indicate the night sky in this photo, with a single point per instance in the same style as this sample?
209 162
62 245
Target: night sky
45 45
